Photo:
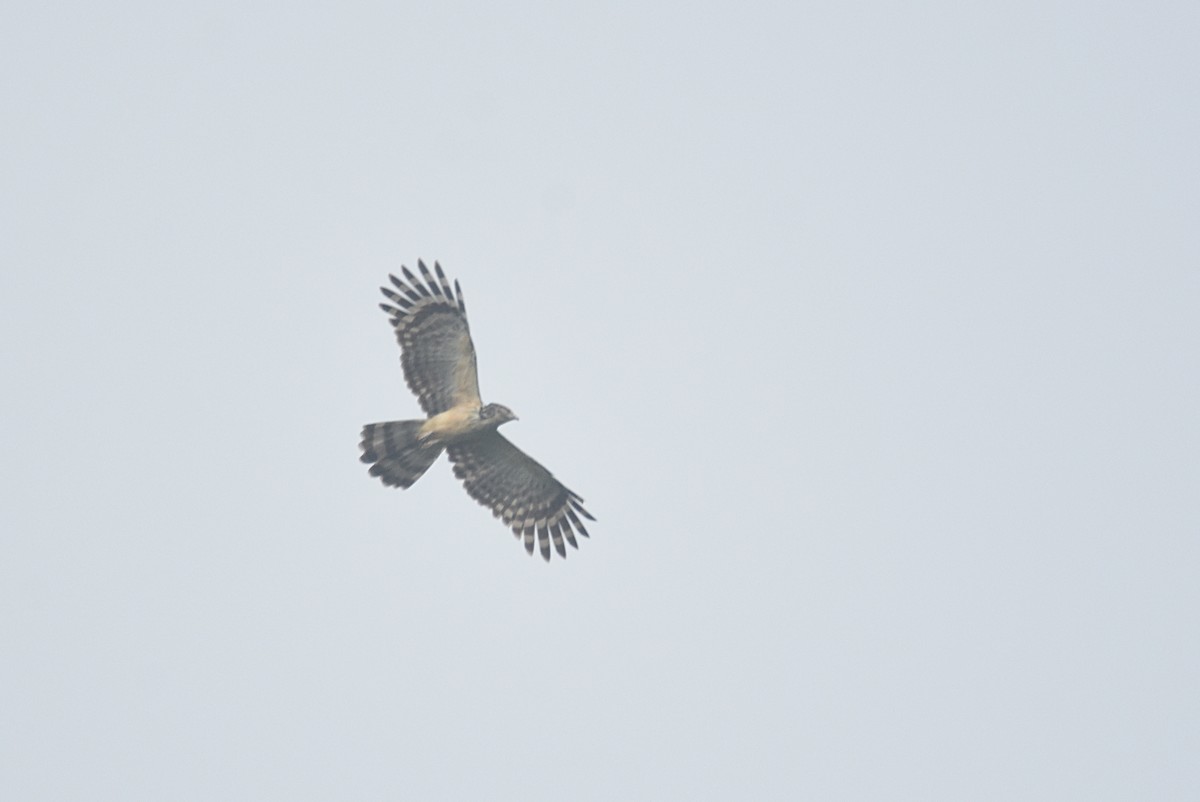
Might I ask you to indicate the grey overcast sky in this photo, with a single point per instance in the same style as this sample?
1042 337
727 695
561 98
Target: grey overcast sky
869 331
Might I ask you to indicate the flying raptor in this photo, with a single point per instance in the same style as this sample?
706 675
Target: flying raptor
438 358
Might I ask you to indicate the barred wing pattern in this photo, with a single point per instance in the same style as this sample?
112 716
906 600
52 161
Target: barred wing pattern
520 492
431 327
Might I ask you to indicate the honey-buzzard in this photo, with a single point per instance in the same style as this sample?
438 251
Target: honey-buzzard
438 358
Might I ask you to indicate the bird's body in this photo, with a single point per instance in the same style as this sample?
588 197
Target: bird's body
438 357
456 424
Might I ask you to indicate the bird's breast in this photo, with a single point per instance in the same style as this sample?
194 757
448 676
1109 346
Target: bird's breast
448 426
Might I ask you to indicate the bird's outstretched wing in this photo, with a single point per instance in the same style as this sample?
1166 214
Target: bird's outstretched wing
431 327
519 491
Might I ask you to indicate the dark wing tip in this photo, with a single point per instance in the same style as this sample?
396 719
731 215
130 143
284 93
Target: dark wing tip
527 535
564 528
576 522
557 536
444 285
418 288
462 305
577 504
401 300
430 284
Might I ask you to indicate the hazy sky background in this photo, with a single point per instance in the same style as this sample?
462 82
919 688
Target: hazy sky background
869 332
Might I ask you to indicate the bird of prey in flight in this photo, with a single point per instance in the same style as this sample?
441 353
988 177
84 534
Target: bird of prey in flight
439 365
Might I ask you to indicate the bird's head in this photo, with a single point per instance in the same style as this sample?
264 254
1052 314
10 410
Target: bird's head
496 414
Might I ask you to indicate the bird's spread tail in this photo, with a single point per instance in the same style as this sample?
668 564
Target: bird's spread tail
395 454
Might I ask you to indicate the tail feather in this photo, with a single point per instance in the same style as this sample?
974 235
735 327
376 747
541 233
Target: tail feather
395 454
